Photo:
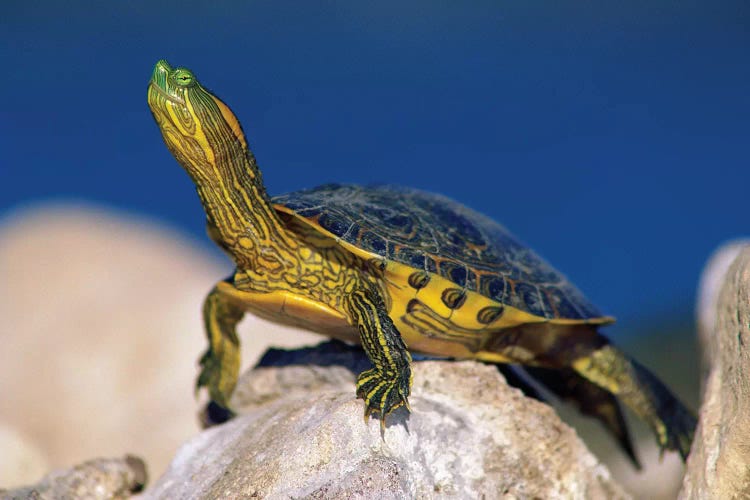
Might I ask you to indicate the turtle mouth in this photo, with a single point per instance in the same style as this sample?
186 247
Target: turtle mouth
165 95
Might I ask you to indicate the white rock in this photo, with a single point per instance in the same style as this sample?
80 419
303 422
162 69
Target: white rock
98 479
719 462
21 461
469 436
710 285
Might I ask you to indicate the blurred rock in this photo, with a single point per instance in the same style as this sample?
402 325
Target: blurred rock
661 475
102 478
709 288
21 460
719 463
300 433
101 334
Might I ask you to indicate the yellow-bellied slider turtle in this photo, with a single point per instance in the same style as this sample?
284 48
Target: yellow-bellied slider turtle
391 267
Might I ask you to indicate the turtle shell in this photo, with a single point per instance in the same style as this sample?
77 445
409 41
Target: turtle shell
433 233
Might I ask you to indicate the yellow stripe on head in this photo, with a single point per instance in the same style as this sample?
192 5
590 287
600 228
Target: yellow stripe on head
231 120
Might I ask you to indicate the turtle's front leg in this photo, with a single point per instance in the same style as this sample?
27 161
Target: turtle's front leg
221 362
386 386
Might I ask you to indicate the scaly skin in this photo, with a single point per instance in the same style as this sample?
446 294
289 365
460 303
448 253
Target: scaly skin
292 271
207 140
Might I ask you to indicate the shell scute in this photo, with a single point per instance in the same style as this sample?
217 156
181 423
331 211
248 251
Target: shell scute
432 233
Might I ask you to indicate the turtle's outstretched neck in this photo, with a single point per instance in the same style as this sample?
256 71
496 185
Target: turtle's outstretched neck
236 203
207 140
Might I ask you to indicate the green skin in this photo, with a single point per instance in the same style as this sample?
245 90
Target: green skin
207 140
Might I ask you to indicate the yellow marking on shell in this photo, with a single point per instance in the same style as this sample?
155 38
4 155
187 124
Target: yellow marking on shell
453 298
465 316
418 280
460 333
397 278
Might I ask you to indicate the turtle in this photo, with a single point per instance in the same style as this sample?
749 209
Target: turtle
397 270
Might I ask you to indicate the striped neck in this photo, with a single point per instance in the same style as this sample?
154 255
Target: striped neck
238 207
207 140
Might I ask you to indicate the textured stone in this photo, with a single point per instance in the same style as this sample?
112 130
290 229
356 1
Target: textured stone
719 463
102 478
300 434
709 288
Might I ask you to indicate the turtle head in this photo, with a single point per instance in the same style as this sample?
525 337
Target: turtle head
205 138
200 131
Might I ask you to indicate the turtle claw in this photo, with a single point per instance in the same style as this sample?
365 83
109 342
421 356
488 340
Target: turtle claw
383 392
406 403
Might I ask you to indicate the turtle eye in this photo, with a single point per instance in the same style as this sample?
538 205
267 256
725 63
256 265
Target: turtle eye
183 77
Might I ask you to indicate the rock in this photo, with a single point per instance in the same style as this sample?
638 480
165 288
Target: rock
709 288
300 434
102 478
101 333
21 460
660 478
719 463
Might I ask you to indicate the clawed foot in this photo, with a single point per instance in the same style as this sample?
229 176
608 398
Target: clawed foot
384 392
676 430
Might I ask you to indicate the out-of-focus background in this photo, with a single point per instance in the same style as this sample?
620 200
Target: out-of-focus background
610 136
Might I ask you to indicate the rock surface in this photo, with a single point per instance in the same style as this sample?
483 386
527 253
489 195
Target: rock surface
719 463
103 478
300 434
101 333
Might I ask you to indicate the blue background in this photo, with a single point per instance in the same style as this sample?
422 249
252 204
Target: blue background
610 136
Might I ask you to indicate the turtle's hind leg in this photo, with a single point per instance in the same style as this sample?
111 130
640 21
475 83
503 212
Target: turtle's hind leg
582 350
640 390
